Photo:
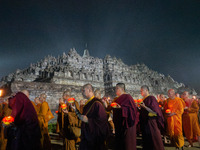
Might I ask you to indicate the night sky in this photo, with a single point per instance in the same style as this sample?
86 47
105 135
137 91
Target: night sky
163 34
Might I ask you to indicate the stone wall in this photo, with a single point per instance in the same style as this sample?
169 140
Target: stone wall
54 75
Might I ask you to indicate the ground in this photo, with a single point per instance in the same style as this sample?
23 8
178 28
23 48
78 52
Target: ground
57 144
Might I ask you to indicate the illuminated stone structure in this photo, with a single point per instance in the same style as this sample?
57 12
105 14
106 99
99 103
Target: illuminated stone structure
54 75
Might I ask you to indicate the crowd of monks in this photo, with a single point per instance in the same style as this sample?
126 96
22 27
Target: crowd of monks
98 123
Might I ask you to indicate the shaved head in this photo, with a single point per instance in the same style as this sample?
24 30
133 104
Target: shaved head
185 95
25 92
144 91
88 86
120 89
88 91
145 87
97 93
121 85
43 97
171 93
67 92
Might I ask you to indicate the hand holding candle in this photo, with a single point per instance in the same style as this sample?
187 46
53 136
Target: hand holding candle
8 120
71 100
63 106
139 101
115 105
135 100
168 111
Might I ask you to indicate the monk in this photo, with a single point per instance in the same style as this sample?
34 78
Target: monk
199 110
174 119
26 132
94 127
125 119
45 140
162 103
5 112
151 122
162 100
109 112
36 104
60 119
190 119
81 105
70 121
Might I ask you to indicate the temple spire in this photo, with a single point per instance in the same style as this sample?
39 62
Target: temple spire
86 52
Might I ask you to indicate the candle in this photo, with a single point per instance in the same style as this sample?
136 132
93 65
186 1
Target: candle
168 111
8 120
139 100
1 91
114 105
63 106
71 100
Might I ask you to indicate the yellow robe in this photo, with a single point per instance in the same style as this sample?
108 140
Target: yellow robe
45 140
38 108
190 122
175 122
35 106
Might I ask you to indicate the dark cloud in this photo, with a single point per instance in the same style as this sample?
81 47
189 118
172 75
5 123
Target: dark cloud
165 34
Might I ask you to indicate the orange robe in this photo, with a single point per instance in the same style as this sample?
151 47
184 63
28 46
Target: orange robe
60 121
45 140
72 120
190 121
174 122
3 141
38 108
35 106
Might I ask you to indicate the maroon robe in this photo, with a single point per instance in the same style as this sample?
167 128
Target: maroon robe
95 132
125 120
150 126
26 130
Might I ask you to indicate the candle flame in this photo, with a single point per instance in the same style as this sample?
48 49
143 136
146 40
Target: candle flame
7 120
63 106
71 100
168 111
1 92
114 105
139 100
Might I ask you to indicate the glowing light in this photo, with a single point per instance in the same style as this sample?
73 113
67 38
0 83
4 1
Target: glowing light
140 100
168 111
71 100
114 105
8 120
160 106
63 106
1 92
194 97
56 111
